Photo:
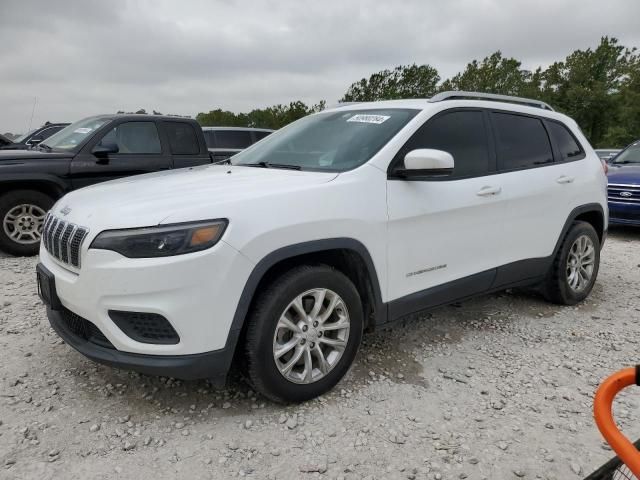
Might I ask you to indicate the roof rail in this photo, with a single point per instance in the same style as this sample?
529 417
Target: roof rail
460 95
342 104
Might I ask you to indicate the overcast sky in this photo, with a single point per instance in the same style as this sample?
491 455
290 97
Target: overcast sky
82 57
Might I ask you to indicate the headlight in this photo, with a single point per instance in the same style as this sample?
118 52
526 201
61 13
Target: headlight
164 241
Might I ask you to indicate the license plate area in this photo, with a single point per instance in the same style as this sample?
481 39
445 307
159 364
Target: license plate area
47 288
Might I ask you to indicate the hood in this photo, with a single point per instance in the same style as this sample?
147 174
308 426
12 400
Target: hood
624 174
19 156
173 196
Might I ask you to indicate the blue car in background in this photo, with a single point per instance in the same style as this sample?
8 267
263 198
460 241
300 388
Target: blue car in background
624 186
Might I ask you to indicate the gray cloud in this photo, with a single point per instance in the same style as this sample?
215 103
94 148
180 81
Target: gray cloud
85 57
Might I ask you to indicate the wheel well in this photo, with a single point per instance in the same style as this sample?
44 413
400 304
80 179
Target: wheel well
596 220
347 261
48 188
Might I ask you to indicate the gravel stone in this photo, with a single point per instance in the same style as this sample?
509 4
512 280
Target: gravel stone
496 387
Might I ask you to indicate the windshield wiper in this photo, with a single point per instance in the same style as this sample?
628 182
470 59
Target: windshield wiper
44 146
272 165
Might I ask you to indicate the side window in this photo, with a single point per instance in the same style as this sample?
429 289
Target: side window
258 135
209 138
462 134
521 142
46 133
234 139
182 138
134 137
569 147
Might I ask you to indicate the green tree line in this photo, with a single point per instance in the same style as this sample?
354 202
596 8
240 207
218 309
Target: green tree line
599 88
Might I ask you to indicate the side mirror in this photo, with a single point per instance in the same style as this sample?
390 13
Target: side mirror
426 162
105 149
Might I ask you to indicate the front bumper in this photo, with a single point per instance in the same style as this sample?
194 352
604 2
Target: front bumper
624 213
197 293
211 365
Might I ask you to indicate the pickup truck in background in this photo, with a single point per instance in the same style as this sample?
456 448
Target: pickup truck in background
92 150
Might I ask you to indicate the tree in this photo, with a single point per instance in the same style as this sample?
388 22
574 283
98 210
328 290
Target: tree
494 74
587 86
404 81
276 116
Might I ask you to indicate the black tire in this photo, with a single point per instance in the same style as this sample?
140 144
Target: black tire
556 288
9 201
260 365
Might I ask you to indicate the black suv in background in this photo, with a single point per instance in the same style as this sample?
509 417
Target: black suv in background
225 142
34 137
92 150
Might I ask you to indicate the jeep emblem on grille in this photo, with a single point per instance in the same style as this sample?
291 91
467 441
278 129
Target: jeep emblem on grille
625 194
67 210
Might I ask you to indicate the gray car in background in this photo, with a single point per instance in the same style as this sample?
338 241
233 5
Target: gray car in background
225 142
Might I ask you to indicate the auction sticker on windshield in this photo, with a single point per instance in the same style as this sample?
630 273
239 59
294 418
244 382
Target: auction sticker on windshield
82 130
376 119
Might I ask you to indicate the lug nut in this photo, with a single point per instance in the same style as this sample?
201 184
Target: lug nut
305 328
312 345
303 341
319 334
315 324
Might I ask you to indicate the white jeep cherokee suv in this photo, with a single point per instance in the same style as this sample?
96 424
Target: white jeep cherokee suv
343 221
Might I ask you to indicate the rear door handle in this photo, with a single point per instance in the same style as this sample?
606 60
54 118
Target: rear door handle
488 191
565 179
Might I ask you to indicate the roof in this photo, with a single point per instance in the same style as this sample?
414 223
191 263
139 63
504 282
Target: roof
448 100
138 116
249 129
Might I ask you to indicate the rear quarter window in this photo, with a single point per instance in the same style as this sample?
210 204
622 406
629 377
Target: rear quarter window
566 143
521 141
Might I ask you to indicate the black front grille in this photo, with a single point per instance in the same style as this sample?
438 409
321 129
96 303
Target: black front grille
145 327
63 239
83 328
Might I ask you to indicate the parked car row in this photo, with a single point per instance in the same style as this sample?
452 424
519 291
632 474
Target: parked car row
94 150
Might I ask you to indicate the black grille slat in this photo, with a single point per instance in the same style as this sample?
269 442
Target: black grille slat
56 238
63 240
76 243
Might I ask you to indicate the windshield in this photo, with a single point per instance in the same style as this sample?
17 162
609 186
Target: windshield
630 155
23 136
70 137
332 141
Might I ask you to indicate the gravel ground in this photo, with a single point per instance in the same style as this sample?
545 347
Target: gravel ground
499 387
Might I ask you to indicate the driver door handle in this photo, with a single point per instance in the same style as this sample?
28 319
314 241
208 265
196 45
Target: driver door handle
565 179
488 191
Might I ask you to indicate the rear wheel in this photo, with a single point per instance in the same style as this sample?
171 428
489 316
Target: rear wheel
303 333
22 215
575 267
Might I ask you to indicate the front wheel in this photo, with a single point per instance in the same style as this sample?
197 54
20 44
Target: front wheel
303 333
22 215
575 267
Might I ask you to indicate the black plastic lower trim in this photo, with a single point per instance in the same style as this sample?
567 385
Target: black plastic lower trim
212 365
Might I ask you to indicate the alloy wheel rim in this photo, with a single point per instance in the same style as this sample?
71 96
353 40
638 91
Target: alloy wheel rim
23 223
581 263
311 336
